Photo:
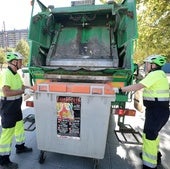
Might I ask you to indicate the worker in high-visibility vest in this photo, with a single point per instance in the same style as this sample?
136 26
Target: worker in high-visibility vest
156 101
11 90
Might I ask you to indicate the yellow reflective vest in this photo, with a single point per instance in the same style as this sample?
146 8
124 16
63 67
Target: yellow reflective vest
7 78
156 86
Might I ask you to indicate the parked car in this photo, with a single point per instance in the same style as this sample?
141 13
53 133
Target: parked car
166 69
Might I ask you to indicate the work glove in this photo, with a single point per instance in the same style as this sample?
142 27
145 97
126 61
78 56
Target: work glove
118 90
28 91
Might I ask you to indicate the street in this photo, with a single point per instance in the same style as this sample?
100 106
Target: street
117 155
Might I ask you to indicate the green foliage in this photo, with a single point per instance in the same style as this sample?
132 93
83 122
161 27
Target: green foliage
2 57
9 49
23 48
153 28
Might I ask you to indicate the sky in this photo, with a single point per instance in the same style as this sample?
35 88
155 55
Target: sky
15 14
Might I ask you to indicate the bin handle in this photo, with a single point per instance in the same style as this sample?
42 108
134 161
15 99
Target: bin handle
43 87
98 90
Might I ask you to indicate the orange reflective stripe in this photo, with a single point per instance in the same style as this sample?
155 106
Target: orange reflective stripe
80 88
57 87
84 88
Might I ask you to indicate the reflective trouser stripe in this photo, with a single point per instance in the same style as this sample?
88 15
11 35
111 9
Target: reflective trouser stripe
154 99
11 97
149 151
6 140
7 136
19 132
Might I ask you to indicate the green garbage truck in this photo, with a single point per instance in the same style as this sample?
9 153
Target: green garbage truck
78 55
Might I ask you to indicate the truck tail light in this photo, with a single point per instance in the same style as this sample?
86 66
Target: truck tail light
125 112
29 103
32 2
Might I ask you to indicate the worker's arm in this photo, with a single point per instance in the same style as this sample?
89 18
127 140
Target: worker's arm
8 92
133 87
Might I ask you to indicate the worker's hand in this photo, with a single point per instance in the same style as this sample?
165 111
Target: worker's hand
116 90
28 91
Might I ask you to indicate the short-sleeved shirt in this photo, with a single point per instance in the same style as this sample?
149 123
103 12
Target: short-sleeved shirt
156 85
8 78
10 110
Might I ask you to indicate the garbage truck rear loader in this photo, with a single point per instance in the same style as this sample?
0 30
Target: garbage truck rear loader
78 55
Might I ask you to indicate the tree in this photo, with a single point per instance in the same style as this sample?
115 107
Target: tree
23 48
2 57
153 25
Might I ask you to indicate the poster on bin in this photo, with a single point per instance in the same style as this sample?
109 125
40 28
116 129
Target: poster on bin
68 116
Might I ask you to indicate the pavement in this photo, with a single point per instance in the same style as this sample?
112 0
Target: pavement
117 155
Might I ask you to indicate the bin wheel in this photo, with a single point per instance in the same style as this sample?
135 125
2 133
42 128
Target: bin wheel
42 157
96 164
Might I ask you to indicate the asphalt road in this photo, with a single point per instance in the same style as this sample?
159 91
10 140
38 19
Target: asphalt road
117 155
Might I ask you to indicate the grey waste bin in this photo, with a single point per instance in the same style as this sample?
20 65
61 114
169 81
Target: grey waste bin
73 124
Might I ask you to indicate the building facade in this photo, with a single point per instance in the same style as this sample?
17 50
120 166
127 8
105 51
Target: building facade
12 37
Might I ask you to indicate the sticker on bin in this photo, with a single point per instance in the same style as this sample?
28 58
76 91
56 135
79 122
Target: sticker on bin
68 110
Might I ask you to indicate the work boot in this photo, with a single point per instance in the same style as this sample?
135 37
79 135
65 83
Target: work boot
146 167
158 157
22 149
10 165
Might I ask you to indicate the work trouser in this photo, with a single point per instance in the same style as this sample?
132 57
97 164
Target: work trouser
157 114
7 135
149 151
12 124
